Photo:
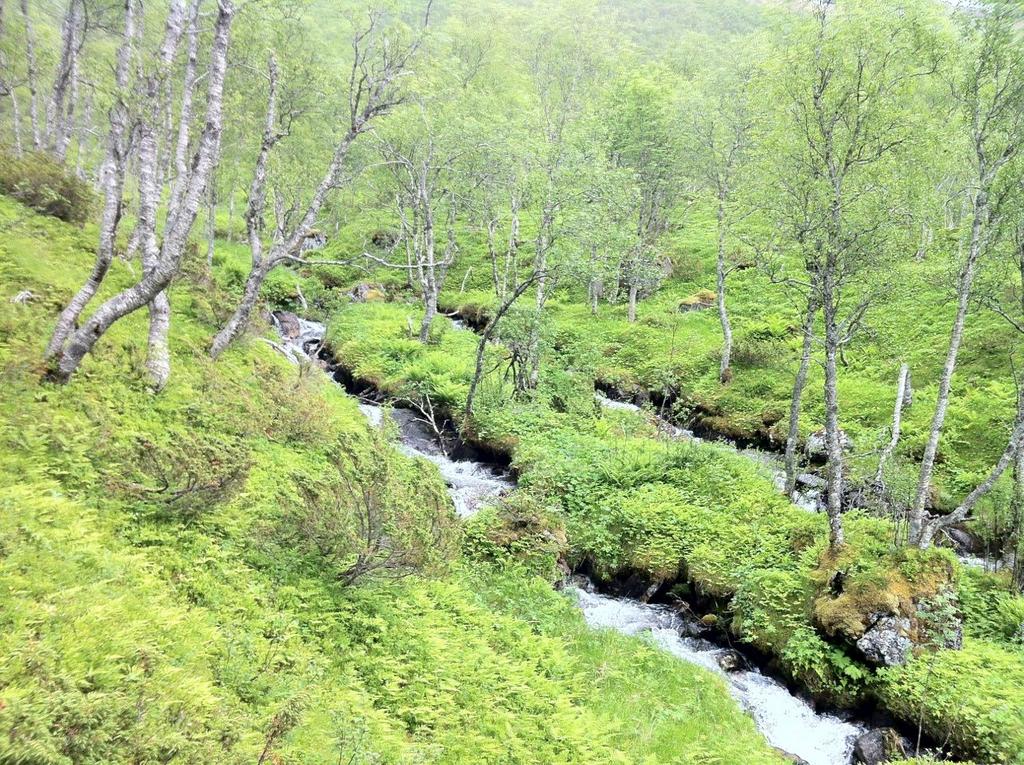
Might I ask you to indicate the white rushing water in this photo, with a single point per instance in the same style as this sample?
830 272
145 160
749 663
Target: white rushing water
786 721
470 484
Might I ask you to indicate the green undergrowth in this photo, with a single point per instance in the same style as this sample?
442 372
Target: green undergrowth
674 349
167 593
631 502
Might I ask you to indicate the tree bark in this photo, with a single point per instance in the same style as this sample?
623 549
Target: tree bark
254 223
793 435
429 312
945 381
1013 445
897 420
485 337
176 235
1016 548
57 133
833 435
211 224
240 318
158 355
16 120
724 369
112 176
33 77
631 310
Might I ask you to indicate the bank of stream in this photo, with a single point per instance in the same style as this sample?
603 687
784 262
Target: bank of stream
788 721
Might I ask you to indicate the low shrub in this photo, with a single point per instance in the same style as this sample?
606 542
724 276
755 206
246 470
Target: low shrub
45 185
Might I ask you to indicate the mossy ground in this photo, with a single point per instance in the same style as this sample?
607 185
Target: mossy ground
138 629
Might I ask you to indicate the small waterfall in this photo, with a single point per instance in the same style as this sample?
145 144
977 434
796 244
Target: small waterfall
471 484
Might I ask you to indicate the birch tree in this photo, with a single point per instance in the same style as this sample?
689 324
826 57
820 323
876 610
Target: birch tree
845 90
111 182
562 69
60 109
424 171
642 143
32 77
721 126
989 93
379 62
180 215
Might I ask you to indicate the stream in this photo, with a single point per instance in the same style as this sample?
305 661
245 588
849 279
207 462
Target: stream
808 494
787 721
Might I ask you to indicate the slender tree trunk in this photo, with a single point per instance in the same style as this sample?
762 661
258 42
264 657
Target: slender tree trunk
485 337
240 318
724 369
175 236
158 354
56 124
84 126
1013 445
631 310
429 312
1016 546
211 224
285 245
151 182
16 123
897 420
833 435
231 214
112 184
33 78
793 435
945 381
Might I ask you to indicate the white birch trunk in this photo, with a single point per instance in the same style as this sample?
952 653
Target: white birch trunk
724 368
946 380
112 174
897 421
176 235
793 435
32 74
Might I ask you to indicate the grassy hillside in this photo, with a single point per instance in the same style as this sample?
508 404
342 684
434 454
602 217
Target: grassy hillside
142 623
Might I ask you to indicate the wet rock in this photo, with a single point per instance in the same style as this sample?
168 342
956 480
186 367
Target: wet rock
811 481
964 542
816 447
288 324
878 746
732 661
792 757
692 628
887 642
314 240
366 293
